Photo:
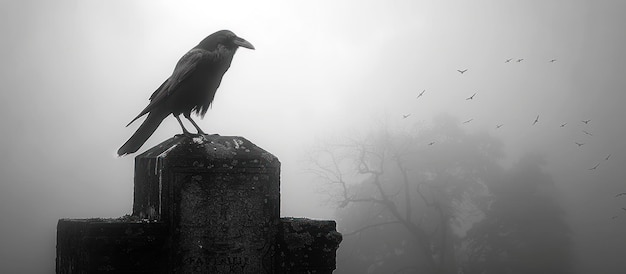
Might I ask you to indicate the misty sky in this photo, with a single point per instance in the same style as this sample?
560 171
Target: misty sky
74 73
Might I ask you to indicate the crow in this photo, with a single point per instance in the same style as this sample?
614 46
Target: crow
563 125
190 88
499 126
468 121
586 121
584 131
461 71
594 167
431 143
519 60
421 93
508 60
404 116
607 157
579 144
552 60
471 97
536 120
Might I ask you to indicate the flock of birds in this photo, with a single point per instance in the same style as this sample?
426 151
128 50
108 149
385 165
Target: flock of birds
534 122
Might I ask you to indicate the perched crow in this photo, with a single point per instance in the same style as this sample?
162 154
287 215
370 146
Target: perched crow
190 88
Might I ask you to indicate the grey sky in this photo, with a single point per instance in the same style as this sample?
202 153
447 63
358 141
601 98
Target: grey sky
75 72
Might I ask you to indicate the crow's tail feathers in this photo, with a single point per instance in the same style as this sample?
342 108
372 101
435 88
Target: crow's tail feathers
144 132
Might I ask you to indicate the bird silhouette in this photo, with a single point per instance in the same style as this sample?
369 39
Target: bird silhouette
421 93
468 121
594 167
620 194
519 60
584 131
607 157
586 121
552 60
563 125
508 60
499 126
431 143
579 144
471 97
190 88
404 116
536 120
461 71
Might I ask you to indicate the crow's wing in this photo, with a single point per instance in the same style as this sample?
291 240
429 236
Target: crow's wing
185 67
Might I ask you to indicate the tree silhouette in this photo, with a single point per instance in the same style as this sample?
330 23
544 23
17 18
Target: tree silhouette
403 203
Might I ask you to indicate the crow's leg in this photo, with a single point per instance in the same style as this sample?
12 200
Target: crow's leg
185 131
194 124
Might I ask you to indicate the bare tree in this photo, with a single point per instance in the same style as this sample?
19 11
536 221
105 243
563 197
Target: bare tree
410 195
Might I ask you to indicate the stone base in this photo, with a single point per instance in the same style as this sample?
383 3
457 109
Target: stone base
109 246
129 245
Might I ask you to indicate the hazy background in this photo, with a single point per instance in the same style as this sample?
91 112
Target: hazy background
74 73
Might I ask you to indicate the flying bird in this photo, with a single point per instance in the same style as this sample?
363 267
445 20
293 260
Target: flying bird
508 60
519 60
594 167
471 97
552 60
584 131
586 121
421 93
431 143
499 126
579 144
563 125
607 157
461 71
404 116
620 194
536 120
190 88
468 121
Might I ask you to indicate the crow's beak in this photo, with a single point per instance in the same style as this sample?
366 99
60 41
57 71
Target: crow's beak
243 43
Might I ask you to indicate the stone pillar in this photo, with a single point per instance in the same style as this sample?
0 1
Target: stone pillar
220 198
208 204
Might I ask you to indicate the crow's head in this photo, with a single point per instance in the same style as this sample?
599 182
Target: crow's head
225 38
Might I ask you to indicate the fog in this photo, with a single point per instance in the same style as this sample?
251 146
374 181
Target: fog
74 73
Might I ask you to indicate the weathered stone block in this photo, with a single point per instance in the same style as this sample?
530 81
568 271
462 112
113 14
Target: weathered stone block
220 198
307 246
109 246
